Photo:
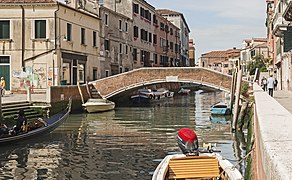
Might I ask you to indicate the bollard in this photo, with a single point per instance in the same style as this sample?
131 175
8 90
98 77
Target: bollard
28 94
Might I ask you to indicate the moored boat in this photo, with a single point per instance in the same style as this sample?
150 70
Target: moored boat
195 163
48 125
148 95
98 105
204 166
220 108
184 91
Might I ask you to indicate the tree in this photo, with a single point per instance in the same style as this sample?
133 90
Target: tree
259 62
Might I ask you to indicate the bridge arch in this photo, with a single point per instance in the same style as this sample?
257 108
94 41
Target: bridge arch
116 84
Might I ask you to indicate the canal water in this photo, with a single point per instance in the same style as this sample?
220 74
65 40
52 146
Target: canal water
127 143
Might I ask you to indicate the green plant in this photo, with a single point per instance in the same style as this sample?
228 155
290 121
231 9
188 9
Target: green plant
244 89
259 62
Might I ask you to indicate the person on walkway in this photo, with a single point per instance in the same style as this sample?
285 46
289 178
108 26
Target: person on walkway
270 85
275 84
21 122
2 86
264 83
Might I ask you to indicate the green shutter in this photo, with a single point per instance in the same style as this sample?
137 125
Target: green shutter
40 29
4 30
288 39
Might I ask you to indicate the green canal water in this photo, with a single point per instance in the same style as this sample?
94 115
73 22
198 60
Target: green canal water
127 143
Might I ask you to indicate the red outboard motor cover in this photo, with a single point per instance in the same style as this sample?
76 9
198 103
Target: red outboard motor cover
187 141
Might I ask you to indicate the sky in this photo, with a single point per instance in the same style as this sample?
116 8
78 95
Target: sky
219 24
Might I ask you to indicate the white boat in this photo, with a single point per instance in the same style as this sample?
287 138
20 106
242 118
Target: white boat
98 105
205 166
148 95
184 91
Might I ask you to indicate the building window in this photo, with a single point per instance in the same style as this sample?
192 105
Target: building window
106 45
94 74
120 25
106 19
126 49
69 32
155 59
136 8
81 73
154 39
121 48
150 37
83 36
126 26
171 31
135 54
171 46
40 29
94 39
4 29
136 32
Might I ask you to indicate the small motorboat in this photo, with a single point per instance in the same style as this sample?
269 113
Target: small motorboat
148 95
98 105
183 91
195 163
220 108
48 125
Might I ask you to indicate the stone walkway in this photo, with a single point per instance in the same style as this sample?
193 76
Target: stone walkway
284 98
23 97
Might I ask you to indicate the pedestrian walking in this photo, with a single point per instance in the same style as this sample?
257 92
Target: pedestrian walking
270 85
2 86
275 84
264 83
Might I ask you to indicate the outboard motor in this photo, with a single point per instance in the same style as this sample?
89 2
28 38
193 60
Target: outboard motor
187 141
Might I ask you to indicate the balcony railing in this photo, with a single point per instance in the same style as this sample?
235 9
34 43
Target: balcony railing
280 24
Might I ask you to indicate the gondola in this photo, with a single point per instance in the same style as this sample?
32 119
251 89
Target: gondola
51 123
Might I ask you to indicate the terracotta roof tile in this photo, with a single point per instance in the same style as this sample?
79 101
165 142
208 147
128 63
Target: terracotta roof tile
167 11
260 39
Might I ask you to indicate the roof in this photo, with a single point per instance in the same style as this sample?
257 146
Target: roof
172 12
26 1
260 39
263 45
222 54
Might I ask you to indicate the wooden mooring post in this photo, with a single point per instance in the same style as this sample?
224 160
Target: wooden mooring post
236 103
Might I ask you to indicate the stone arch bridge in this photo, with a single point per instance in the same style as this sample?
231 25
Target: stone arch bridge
119 83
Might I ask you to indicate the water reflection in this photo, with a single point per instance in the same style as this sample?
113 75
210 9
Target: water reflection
126 143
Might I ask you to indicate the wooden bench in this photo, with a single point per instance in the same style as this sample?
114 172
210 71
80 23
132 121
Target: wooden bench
194 167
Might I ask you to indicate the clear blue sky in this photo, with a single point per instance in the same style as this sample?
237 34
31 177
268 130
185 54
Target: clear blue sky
219 24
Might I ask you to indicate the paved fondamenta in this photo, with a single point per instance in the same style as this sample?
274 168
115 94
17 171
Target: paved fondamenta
9 98
284 98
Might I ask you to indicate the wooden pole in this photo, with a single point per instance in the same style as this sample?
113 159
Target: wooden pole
234 76
237 93
80 92
1 117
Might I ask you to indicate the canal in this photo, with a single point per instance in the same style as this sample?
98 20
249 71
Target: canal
126 143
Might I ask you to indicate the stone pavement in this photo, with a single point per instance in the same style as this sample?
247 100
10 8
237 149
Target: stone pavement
284 98
8 98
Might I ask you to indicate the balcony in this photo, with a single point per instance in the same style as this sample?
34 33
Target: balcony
288 11
280 25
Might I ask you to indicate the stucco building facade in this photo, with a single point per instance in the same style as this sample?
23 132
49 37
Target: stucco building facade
47 42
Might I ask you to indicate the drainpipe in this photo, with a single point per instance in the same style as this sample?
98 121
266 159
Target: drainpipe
22 37
56 38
